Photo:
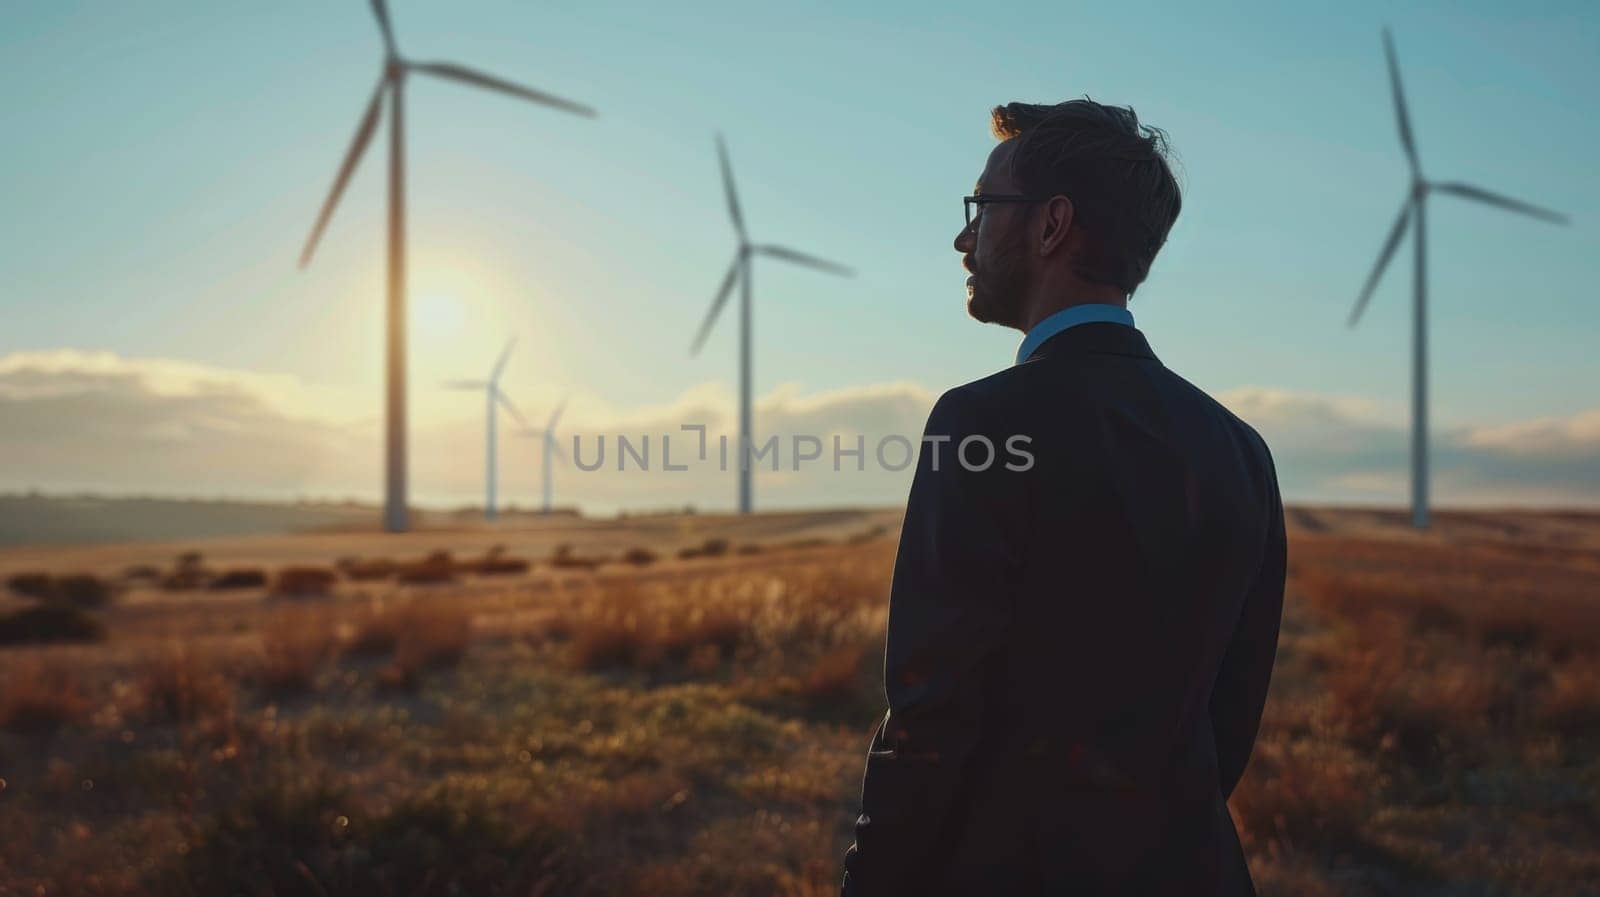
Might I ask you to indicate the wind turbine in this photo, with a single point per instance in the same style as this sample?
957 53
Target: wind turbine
495 398
551 447
1413 211
739 271
391 83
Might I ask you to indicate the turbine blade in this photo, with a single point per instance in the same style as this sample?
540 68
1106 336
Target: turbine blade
453 72
352 157
1505 202
381 10
1389 246
506 404
555 446
500 364
555 416
727 187
464 384
1400 103
810 261
721 299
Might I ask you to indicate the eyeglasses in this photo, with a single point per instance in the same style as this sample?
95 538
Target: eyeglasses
974 204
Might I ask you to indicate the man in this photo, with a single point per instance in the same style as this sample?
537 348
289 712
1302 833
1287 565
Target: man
1080 631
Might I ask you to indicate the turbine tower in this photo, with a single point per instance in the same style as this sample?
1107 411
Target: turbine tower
495 399
739 271
391 84
551 448
1413 211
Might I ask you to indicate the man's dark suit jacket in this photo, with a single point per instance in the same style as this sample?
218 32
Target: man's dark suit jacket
1078 653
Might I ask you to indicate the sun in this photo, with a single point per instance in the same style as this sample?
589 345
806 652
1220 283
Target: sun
438 314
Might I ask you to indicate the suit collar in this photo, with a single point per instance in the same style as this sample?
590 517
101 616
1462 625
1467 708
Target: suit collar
1067 318
1097 338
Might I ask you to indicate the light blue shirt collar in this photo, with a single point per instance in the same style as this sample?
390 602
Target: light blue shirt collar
1070 316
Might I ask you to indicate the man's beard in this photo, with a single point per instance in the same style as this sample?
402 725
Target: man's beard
997 289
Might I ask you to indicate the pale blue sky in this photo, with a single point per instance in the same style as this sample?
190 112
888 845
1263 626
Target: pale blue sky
162 162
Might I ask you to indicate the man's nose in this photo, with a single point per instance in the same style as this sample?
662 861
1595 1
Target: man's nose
964 240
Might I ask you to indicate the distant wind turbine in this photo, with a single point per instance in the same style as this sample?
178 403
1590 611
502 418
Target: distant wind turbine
1413 210
392 83
495 398
739 271
551 448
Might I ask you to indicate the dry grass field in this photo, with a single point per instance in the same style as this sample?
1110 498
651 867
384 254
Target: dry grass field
681 704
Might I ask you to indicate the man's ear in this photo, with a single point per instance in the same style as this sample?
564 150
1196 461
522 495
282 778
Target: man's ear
1058 218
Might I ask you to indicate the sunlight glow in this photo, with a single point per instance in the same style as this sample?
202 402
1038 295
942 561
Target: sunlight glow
438 315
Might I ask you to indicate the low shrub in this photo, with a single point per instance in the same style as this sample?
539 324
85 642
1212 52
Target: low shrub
291 837
494 564
438 567
49 623
77 589
188 572
639 557
625 634
142 573
710 548
427 637
566 559
1314 795
85 590
185 580
431 636
241 578
871 534
371 570
180 687
38 699
423 635
808 542
1571 704
842 674
292 654
304 582
375 636
41 586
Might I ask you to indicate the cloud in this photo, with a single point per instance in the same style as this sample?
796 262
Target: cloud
99 421
74 420
58 373
1346 448
1555 438
1320 431
1279 407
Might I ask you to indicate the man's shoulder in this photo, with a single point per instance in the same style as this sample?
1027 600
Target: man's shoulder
1034 391
984 402
1000 383
1017 392
1222 410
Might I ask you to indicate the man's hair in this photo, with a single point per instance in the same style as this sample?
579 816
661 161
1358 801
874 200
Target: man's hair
1113 169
